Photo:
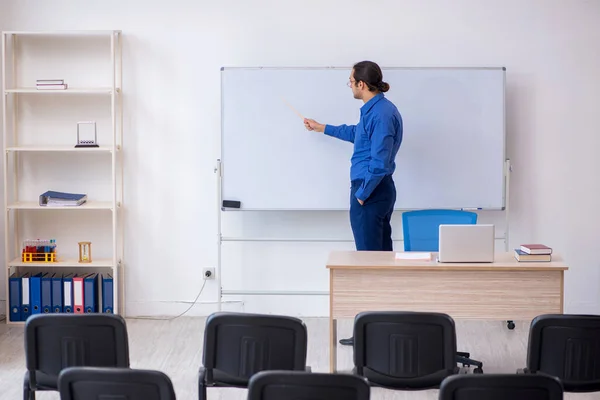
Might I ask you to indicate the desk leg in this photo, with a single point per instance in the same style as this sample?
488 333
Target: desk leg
562 292
332 344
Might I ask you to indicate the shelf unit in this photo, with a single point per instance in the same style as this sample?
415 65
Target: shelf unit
92 62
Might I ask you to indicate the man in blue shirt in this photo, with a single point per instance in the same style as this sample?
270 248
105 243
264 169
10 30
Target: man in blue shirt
377 138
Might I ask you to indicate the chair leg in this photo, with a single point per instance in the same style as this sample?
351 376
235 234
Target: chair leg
202 384
28 394
465 361
201 391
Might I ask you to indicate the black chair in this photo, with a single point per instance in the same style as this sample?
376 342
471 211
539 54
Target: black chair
501 387
406 350
277 385
54 342
83 383
238 345
567 347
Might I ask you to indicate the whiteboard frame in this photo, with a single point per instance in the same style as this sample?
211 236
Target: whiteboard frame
218 171
313 68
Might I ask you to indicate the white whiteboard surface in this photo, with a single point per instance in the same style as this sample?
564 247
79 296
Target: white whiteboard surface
452 153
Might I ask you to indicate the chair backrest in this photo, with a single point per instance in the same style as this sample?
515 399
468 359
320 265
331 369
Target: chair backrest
276 385
57 341
421 227
405 349
568 347
242 344
500 387
83 383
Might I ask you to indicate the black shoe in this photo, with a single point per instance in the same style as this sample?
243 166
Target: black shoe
347 342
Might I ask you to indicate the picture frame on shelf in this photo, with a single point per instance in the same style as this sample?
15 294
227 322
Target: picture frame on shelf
87 134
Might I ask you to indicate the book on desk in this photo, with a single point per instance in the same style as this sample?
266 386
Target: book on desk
533 253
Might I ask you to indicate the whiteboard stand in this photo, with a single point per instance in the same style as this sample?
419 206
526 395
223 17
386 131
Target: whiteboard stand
219 235
507 171
221 239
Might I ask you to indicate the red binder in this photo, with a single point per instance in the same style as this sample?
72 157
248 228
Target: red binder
78 295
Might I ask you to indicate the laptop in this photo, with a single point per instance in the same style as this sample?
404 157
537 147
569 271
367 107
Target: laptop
466 243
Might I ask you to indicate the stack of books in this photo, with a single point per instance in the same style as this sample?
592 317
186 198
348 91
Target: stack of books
534 252
50 84
61 199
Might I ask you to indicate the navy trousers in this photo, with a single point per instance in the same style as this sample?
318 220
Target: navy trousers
371 221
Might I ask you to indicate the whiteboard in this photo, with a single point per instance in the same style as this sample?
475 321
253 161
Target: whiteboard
452 154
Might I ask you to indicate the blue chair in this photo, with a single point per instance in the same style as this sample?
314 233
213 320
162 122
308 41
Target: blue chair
421 230
421 233
421 227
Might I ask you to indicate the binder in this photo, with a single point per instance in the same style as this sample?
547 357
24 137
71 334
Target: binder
14 289
53 198
25 302
78 294
68 294
35 288
90 293
47 293
57 293
107 294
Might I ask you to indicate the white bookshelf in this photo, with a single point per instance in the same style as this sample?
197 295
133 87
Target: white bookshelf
39 132
70 91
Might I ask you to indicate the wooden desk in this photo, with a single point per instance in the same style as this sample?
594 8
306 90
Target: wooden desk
503 290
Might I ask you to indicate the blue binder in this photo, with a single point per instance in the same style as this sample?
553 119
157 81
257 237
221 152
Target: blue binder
90 293
57 293
35 287
14 290
46 293
68 293
25 297
107 294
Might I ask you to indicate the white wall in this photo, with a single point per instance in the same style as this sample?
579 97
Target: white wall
172 55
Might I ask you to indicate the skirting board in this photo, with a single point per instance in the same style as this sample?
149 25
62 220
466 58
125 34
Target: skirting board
302 306
294 305
582 308
172 309
298 306
168 309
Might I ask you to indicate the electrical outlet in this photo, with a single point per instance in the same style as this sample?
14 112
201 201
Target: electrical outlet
208 273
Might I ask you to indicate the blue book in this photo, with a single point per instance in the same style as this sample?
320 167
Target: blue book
107 294
52 198
46 293
35 287
14 290
90 293
57 293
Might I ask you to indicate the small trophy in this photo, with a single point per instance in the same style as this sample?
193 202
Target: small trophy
85 252
86 134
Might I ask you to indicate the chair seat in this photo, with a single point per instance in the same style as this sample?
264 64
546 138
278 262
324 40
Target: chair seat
568 385
420 383
223 379
43 381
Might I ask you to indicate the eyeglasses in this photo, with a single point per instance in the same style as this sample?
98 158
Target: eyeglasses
350 82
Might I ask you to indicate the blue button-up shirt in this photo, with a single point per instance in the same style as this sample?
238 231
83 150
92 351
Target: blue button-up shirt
377 138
